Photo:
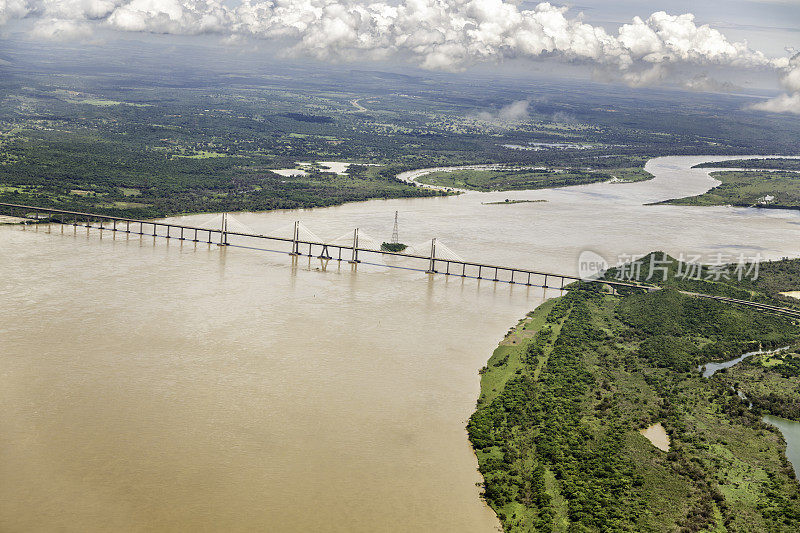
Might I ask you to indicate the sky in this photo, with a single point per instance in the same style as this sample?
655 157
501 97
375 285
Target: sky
700 46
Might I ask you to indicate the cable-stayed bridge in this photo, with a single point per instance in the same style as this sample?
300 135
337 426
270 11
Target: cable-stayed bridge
225 230
434 257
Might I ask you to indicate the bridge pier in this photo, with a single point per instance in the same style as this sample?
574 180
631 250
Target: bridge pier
32 213
295 239
354 257
432 264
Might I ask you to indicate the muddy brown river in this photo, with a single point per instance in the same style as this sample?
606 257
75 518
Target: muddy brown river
149 385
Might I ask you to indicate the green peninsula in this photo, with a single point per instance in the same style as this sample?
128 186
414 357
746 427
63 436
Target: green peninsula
766 183
557 429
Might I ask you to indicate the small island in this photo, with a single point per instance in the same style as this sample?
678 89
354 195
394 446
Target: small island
393 247
509 202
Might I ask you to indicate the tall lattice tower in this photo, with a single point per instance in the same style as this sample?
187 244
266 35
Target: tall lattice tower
395 235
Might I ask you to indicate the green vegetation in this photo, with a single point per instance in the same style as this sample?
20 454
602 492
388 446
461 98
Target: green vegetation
758 282
206 140
565 393
770 381
511 202
772 183
767 163
771 189
393 247
521 179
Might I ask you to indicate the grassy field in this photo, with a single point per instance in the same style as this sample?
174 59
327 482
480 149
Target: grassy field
566 391
778 190
508 180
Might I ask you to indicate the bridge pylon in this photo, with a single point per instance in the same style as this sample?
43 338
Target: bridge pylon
223 232
354 257
296 239
432 263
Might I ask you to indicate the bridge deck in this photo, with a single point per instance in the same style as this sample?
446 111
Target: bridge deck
73 217
484 270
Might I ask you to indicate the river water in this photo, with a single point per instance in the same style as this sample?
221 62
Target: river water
148 385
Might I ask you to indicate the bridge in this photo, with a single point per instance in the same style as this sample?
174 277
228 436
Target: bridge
352 252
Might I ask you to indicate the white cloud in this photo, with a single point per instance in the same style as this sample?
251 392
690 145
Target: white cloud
705 83
12 9
785 103
434 34
61 30
513 112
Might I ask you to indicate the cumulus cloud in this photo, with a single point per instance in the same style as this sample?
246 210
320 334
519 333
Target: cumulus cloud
513 112
705 83
788 102
434 34
11 9
61 30
785 103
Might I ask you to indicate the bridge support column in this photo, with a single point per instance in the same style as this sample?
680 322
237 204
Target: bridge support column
354 257
495 274
432 263
223 234
324 254
463 270
545 281
295 239
528 283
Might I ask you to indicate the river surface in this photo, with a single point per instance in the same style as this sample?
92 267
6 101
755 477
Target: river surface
149 385
709 369
791 433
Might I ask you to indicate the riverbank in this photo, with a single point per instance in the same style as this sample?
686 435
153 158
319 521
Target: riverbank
220 340
765 182
494 177
565 395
